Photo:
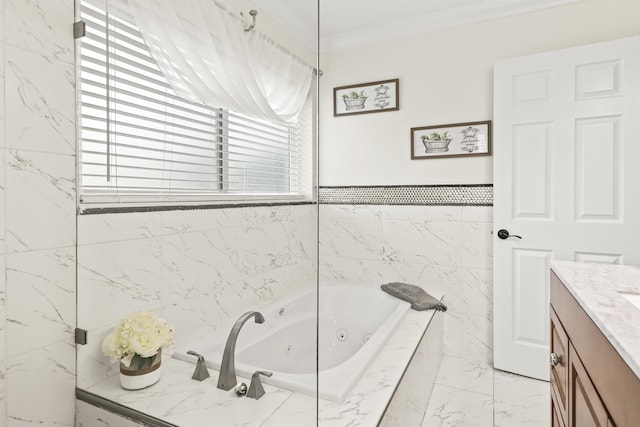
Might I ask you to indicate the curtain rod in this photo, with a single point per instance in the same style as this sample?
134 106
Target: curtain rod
251 28
248 28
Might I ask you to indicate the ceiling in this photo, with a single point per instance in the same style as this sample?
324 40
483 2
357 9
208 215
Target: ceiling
351 23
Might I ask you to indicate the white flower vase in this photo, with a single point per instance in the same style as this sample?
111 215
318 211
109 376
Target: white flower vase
143 372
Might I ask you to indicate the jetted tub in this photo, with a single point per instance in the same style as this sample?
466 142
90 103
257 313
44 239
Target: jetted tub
354 323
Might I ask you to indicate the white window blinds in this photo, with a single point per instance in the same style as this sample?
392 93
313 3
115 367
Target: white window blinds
142 144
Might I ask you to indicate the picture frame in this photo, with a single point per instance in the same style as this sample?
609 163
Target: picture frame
451 140
372 97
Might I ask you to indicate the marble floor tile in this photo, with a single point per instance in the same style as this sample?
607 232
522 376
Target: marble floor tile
470 393
454 407
525 414
509 387
466 374
520 401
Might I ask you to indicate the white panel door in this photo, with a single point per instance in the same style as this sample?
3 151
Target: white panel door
566 182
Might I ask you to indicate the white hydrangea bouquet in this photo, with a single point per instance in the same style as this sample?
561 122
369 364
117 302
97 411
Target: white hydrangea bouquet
136 342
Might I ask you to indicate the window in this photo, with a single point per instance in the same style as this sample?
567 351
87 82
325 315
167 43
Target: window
142 144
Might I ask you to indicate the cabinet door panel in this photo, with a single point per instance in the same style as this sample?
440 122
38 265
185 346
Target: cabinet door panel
559 367
585 407
556 418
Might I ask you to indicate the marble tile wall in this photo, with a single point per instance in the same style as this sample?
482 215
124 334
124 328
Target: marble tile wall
92 416
158 260
198 269
3 285
411 399
37 213
446 246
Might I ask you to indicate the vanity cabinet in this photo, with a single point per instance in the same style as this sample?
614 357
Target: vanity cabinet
591 385
574 400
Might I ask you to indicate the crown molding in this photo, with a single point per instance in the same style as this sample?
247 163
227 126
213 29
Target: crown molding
421 24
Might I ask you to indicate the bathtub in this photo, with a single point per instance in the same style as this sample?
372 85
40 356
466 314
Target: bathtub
354 323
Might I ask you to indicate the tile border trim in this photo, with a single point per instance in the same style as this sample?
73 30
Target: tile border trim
412 195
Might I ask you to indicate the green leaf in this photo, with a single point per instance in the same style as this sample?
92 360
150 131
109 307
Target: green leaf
138 362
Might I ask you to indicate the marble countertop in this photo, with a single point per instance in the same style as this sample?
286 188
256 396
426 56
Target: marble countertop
179 400
597 287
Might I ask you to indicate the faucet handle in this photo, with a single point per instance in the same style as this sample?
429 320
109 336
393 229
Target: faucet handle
256 391
241 389
201 372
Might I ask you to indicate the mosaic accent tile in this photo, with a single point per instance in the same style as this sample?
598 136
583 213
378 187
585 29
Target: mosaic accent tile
433 195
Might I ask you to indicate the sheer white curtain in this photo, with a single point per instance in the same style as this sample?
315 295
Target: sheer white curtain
208 57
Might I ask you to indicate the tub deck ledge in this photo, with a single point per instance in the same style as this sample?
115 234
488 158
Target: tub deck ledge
178 400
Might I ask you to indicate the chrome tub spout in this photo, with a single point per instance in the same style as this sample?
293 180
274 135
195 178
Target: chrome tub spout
227 379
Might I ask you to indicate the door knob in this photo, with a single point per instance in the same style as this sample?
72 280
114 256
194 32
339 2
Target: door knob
555 359
504 234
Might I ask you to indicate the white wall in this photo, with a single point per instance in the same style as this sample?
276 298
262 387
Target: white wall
445 77
37 213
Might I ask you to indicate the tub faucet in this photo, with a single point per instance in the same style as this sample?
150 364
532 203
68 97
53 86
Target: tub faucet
227 379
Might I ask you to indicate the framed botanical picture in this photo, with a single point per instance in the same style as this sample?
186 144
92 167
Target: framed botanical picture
454 140
373 97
